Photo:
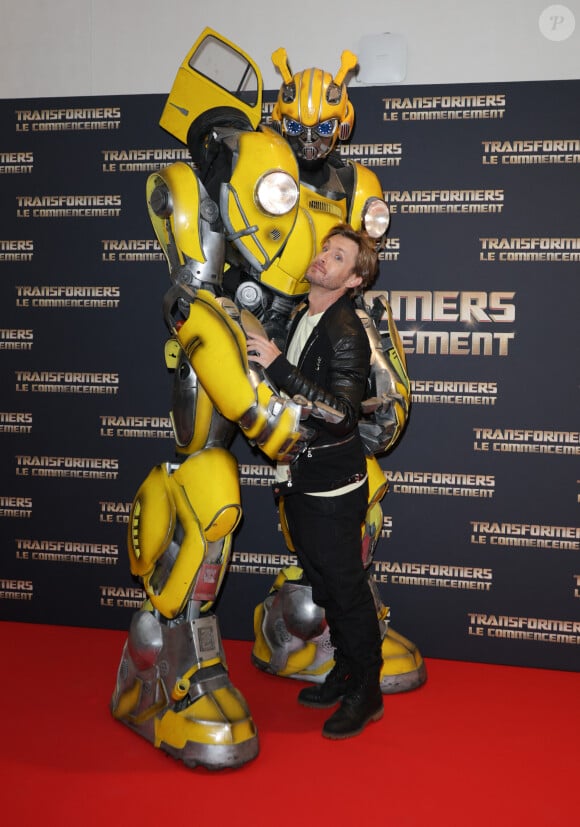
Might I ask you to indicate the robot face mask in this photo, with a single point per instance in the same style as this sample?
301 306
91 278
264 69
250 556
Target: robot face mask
312 110
310 142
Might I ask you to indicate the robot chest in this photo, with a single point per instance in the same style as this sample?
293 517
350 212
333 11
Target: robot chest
324 211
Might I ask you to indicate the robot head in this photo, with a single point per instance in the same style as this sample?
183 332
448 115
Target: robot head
313 110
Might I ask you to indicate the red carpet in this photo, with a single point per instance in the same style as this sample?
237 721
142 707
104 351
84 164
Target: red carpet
477 745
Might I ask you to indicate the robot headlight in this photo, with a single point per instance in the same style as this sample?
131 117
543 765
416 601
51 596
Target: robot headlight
376 217
324 129
276 193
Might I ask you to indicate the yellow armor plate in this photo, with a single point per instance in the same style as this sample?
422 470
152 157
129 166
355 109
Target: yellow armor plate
183 184
165 499
216 349
261 235
204 408
378 484
211 477
286 274
366 185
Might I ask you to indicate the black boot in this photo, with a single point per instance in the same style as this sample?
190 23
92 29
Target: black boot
329 693
362 703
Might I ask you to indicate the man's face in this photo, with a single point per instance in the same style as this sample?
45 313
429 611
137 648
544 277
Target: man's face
333 267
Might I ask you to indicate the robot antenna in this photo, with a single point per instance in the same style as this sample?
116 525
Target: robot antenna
280 61
348 62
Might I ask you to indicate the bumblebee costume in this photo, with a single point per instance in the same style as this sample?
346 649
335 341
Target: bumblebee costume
239 226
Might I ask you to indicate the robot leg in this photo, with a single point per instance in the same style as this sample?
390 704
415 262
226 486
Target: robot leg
172 685
403 666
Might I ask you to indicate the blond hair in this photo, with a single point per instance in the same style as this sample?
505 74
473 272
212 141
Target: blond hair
367 259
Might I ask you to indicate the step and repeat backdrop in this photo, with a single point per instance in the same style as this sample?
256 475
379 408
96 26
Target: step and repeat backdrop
479 557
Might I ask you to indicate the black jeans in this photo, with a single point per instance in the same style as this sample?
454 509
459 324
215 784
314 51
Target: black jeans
326 533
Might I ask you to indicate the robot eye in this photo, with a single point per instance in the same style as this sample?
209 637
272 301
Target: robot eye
326 128
292 127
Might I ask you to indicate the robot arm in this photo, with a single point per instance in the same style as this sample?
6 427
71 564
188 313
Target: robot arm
385 413
215 347
188 226
338 405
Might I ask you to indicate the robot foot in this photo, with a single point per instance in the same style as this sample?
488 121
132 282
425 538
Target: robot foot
194 714
291 640
214 731
403 667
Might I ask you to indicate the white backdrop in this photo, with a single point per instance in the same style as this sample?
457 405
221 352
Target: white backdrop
102 47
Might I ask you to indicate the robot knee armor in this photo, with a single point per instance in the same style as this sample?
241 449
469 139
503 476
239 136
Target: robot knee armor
293 612
292 637
145 640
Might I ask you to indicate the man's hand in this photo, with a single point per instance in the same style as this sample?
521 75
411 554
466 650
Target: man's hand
261 350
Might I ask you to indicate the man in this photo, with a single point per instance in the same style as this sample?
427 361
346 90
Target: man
324 494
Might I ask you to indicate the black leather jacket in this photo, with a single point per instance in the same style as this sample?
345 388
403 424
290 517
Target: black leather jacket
333 369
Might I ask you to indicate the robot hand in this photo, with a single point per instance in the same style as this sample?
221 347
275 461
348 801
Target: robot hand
319 410
276 417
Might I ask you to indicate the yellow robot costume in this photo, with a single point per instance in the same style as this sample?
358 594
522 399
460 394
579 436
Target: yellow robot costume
238 226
